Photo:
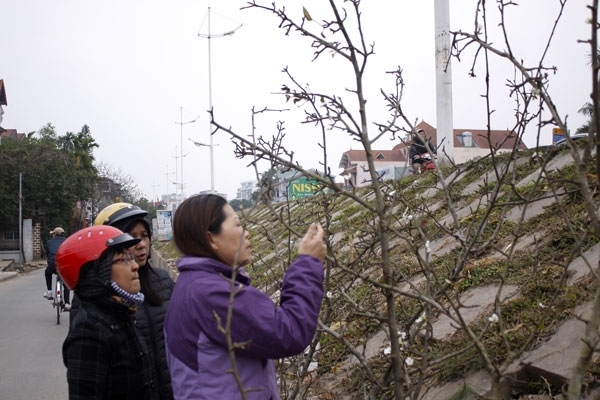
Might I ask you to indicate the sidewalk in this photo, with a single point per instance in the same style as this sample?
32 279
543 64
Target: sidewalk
9 270
8 275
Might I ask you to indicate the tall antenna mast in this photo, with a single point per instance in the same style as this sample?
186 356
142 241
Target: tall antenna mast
209 36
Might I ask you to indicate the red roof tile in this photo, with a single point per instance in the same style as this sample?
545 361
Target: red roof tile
499 139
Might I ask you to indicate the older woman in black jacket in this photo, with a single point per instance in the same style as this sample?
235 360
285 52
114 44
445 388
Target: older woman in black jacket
105 354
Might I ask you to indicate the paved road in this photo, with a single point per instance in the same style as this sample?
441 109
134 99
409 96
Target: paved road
31 365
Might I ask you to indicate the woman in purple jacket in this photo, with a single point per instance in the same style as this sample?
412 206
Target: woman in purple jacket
215 248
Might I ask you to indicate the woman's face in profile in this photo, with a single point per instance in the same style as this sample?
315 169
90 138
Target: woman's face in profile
226 244
124 272
141 250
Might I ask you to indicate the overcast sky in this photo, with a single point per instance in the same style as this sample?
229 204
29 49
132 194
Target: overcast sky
133 70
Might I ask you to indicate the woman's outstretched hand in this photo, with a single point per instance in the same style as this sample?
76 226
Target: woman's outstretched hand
312 243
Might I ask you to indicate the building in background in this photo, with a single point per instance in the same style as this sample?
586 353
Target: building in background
10 134
393 164
246 189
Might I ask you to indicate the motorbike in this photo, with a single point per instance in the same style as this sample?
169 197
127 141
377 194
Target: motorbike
426 162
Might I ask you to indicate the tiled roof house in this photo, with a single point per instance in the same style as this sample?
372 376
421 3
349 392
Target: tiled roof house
392 164
6 133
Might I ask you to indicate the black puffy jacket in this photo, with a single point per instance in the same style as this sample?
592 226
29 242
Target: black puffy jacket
150 321
104 352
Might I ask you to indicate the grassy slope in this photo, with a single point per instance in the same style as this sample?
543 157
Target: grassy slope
355 306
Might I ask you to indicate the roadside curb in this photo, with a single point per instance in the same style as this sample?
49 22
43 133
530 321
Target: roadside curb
4 276
10 271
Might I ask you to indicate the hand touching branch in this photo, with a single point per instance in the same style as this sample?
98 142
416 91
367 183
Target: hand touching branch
312 243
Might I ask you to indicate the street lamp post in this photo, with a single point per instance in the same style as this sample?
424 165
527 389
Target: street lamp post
154 194
181 143
200 144
443 81
181 155
209 36
168 174
177 177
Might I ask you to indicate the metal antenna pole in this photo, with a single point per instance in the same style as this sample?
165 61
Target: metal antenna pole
209 36
154 194
181 155
176 174
167 187
181 148
210 107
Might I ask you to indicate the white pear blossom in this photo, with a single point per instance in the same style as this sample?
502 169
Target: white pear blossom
401 338
409 361
422 318
493 318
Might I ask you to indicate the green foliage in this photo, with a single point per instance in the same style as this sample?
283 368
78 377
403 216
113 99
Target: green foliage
238 205
145 204
588 110
57 172
167 249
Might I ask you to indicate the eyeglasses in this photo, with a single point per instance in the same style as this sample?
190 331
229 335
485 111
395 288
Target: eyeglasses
126 258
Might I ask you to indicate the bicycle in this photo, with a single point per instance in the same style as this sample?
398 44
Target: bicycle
58 298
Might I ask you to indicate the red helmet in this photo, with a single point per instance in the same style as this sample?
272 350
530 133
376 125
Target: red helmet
87 245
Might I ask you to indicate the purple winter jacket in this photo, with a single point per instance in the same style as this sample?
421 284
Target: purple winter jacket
199 363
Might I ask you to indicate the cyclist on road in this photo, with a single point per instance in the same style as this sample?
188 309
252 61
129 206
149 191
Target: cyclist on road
58 236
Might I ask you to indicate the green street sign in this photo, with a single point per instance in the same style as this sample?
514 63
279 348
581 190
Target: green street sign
302 187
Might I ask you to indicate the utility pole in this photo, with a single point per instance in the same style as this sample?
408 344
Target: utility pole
154 195
167 187
181 155
209 36
178 182
176 157
21 252
443 82
181 147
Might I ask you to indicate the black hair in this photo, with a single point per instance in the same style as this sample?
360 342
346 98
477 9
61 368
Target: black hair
196 216
147 287
94 276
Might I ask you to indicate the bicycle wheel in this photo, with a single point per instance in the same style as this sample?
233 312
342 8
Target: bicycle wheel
58 299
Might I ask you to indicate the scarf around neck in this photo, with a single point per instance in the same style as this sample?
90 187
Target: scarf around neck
128 298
